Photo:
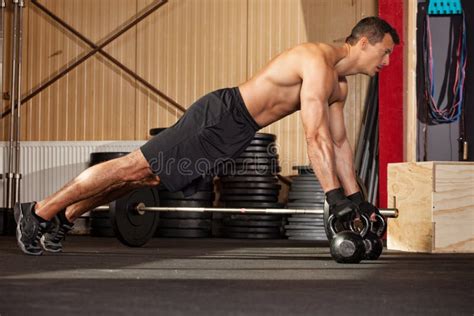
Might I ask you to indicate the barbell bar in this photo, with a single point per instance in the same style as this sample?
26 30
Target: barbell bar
141 209
135 223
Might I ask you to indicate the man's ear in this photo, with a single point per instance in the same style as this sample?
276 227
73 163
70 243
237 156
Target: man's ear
363 42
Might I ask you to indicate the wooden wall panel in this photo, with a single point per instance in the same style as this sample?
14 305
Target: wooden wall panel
95 100
186 49
190 47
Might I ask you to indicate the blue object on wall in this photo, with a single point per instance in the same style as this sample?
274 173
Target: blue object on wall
444 7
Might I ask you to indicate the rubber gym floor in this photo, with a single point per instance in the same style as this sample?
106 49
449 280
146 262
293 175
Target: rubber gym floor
100 276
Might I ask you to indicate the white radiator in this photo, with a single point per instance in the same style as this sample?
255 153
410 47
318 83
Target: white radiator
47 166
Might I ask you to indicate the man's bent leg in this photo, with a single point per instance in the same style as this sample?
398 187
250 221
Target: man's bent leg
34 219
77 209
95 180
63 223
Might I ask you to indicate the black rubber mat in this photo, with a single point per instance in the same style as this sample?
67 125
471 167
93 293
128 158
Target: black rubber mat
183 233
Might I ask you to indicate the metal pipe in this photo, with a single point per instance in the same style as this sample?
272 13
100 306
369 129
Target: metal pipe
61 74
388 212
108 56
2 39
17 178
10 191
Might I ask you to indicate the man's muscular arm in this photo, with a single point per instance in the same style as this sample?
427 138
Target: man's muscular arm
344 156
317 86
342 149
315 90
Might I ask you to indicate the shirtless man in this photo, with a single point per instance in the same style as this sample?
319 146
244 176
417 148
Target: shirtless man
310 77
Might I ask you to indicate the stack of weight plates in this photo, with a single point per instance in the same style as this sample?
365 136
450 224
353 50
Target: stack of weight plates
186 224
250 181
101 225
305 193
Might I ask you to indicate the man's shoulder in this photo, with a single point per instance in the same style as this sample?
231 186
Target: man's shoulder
310 56
310 49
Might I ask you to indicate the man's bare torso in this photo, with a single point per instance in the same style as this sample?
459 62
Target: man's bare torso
274 92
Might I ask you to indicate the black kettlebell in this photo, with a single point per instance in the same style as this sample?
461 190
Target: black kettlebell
373 246
379 226
347 246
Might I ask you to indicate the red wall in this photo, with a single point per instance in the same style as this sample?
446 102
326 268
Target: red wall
391 99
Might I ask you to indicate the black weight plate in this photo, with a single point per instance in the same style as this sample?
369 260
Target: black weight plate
306 185
306 175
183 233
260 169
315 228
99 215
266 230
253 179
312 188
255 167
305 180
261 142
305 195
293 233
300 205
100 222
102 232
131 228
306 220
252 223
271 149
185 215
307 216
306 201
254 217
252 191
265 136
156 131
251 198
185 203
185 223
252 236
304 170
250 173
253 205
250 185
198 196
305 225
255 155
271 161
308 238
99 157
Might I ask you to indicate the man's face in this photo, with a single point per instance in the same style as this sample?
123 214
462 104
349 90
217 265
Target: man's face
377 56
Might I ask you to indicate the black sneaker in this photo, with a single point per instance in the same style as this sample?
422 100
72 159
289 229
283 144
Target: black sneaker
51 241
29 228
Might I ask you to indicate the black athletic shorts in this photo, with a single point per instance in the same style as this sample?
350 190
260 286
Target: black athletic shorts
217 127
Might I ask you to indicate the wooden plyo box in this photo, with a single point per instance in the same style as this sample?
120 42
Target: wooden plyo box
436 207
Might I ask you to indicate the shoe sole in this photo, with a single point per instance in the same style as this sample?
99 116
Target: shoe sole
18 213
46 248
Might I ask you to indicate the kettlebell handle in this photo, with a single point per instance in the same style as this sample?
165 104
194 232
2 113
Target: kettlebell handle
363 233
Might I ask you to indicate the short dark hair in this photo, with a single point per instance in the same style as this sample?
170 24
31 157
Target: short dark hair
374 28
